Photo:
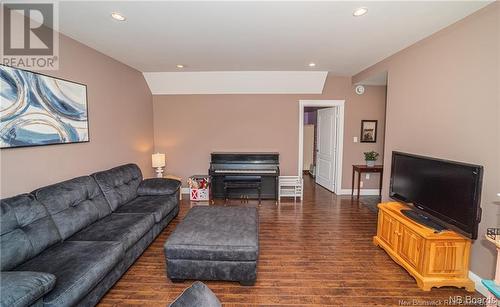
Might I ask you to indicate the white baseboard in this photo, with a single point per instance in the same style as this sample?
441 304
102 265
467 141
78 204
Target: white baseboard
477 282
363 192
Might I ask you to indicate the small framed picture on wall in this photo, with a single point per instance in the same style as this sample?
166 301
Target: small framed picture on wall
368 131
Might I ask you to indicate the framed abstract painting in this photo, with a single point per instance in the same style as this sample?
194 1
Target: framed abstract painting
36 109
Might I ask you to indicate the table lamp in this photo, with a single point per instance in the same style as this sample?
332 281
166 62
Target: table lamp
158 161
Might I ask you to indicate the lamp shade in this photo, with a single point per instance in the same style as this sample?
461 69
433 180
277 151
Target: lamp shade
158 160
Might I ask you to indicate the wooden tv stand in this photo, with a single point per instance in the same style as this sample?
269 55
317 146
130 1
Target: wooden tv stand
433 259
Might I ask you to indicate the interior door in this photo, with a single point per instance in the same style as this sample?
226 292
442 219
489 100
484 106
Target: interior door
325 153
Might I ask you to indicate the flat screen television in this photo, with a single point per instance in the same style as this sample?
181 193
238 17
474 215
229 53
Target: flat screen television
445 194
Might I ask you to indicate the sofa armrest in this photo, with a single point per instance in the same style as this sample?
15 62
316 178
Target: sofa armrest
22 288
196 295
158 186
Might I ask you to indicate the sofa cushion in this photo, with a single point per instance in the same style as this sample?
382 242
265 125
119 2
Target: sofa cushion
122 227
24 288
158 186
73 204
26 229
196 295
216 233
78 267
119 184
159 206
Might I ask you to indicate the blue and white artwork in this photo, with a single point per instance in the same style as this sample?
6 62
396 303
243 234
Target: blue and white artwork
40 110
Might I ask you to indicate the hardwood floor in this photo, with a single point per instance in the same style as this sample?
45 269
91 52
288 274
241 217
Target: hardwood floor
319 252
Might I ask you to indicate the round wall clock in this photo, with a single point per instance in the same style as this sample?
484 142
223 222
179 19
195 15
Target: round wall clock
360 89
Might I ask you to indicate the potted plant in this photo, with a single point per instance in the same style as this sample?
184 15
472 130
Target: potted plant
371 157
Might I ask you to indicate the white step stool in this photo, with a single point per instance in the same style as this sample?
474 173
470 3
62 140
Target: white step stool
290 186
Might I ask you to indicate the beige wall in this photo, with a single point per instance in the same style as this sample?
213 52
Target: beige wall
443 100
120 120
189 127
370 105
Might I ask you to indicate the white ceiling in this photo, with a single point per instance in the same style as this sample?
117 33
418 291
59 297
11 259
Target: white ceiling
260 36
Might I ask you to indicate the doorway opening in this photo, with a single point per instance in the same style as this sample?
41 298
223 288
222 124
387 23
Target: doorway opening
327 142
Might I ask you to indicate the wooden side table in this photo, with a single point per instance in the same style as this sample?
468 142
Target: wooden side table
360 169
170 176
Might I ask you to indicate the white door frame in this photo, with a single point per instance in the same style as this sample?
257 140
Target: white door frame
339 140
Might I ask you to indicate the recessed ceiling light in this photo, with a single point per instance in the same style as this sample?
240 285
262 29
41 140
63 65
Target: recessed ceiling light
360 11
118 16
312 64
179 66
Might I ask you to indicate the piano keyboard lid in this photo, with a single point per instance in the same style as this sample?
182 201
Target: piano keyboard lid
266 171
245 157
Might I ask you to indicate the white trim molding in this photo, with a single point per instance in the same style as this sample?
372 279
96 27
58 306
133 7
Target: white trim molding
477 282
339 141
236 82
364 192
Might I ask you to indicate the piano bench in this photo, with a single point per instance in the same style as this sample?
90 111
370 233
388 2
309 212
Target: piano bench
239 182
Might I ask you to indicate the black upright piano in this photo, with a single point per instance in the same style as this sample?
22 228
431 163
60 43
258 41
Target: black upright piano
263 166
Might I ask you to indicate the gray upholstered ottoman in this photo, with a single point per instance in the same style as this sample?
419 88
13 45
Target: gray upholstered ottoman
215 243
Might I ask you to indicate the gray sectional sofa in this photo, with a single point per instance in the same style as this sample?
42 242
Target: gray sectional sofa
68 243
197 295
